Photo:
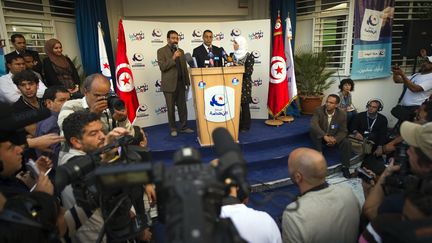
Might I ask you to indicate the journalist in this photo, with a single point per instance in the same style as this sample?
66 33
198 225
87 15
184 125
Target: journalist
419 139
85 133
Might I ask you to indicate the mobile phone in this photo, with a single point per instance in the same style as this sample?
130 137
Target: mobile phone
361 173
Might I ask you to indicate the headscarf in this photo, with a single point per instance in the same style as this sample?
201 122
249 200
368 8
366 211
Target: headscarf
60 61
242 49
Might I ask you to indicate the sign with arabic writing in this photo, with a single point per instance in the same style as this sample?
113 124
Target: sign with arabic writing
372 39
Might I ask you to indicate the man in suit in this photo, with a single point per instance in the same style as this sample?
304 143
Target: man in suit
329 126
207 51
19 43
175 78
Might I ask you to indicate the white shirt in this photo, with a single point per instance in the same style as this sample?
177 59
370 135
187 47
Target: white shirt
253 226
417 98
10 93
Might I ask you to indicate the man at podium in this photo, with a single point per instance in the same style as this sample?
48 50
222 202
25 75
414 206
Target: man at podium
175 78
208 55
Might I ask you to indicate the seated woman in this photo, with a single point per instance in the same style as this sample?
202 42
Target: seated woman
346 86
59 69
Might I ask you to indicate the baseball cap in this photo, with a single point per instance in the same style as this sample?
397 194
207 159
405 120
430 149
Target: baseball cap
419 136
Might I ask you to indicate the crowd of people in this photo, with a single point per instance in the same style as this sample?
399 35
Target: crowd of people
51 119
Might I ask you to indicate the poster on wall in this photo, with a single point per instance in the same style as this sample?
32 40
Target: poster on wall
144 38
373 21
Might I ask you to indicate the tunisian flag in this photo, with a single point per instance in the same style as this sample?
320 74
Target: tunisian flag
125 84
278 86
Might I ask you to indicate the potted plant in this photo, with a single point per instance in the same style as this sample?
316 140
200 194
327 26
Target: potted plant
312 79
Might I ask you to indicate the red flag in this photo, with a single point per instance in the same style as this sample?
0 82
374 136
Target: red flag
278 86
125 84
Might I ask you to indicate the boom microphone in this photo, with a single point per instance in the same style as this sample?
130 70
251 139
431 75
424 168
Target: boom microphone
231 162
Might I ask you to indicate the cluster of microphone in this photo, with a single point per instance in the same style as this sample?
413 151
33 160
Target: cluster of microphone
225 59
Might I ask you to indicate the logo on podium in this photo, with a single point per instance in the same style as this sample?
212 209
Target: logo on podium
219 103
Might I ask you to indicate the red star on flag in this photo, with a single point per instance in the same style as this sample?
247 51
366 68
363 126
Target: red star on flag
126 80
105 65
278 70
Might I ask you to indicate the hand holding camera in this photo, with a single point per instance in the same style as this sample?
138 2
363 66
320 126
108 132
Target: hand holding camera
397 70
100 105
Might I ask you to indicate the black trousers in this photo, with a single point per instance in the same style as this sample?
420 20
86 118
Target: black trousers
245 117
173 99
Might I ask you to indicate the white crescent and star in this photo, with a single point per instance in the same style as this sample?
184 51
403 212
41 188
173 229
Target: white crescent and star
278 70
124 78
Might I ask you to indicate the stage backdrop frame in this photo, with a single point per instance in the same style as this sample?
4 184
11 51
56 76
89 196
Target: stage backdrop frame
144 38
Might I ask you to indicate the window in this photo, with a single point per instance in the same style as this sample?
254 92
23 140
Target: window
332 28
35 19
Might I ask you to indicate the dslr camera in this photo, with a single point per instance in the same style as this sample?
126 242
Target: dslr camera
114 102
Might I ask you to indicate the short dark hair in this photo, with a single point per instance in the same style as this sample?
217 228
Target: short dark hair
25 75
205 31
334 96
14 36
51 92
27 54
170 32
73 125
11 58
346 81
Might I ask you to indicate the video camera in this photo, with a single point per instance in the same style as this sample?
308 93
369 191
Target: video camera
399 181
189 193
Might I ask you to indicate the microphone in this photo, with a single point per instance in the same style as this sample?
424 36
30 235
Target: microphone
224 57
211 56
216 61
16 121
190 60
207 63
231 162
175 47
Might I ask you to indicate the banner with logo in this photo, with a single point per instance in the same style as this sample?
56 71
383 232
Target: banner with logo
144 38
372 39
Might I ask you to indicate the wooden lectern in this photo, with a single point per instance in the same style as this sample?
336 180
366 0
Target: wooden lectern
216 94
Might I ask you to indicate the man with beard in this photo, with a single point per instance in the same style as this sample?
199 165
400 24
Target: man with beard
175 78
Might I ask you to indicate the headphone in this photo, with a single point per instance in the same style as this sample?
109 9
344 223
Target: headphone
33 209
379 101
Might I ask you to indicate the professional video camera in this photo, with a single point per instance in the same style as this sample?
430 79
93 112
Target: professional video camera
110 188
114 102
189 193
398 181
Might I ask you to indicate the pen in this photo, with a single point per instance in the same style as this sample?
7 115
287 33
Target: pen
46 173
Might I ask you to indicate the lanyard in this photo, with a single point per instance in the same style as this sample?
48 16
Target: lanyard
373 123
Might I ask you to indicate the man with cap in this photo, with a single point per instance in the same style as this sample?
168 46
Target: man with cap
417 88
419 139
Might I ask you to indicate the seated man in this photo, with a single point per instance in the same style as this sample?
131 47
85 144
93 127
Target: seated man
252 225
371 125
322 212
27 83
329 126
30 64
9 92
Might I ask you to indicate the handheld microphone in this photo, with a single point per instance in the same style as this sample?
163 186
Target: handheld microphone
175 47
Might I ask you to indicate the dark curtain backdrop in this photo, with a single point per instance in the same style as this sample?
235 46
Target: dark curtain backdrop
285 7
88 13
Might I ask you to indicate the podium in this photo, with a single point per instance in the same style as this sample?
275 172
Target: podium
216 94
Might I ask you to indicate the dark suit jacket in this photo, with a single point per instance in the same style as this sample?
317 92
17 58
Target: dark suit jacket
379 130
35 54
201 54
338 124
51 75
169 69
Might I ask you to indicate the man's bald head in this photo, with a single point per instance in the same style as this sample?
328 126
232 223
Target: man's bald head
310 164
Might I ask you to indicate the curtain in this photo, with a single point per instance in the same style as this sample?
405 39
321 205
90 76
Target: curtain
88 13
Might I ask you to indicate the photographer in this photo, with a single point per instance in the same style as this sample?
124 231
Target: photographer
96 91
419 137
84 132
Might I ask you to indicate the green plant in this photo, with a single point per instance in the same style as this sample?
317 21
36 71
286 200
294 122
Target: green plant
312 77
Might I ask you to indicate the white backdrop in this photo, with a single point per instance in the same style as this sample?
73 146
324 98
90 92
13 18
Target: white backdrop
144 38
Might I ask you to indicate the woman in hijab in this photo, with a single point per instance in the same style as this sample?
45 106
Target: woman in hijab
244 58
59 69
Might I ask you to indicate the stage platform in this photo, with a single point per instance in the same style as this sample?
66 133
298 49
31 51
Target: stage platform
264 148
